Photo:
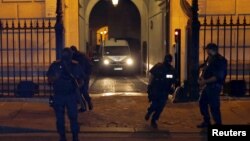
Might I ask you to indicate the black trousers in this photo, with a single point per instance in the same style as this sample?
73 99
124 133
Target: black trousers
156 108
210 98
69 102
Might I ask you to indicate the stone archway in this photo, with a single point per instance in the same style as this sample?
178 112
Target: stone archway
140 4
142 8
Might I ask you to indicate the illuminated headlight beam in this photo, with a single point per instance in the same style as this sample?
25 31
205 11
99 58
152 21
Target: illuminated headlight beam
106 62
130 61
115 2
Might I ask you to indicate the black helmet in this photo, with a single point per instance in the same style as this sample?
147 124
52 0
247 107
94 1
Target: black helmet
168 58
67 54
212 46
73 48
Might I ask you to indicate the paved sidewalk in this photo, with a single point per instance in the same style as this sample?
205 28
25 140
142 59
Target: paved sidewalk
106 137
117 114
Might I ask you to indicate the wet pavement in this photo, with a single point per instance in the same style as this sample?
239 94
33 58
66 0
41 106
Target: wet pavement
118 84
120 104
115 112
119 117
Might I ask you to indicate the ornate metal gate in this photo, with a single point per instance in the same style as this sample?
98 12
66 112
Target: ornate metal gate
27 47
232 34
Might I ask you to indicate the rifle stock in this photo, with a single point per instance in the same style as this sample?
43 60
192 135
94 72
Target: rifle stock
80 97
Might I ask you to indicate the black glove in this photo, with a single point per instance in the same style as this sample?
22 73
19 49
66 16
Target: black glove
90 105
149 91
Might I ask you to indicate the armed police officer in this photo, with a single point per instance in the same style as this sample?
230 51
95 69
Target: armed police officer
211 80
85 62
62 75
161 80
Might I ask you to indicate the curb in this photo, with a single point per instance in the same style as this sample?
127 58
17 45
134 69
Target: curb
30 100
104 130
45 99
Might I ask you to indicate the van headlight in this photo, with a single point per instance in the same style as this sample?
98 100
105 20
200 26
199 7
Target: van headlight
130 61
106 62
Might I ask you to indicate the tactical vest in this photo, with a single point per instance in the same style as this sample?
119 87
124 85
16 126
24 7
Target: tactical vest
163 78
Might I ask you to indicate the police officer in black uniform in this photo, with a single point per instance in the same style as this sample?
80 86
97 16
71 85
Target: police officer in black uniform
84 61
161 80
211 80
61 74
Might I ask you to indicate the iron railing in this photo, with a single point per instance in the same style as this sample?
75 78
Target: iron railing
232 35
27 47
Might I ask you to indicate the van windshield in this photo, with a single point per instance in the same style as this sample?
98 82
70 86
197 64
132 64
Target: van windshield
116 50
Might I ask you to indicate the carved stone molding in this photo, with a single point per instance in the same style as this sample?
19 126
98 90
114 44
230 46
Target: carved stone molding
186 7
162 4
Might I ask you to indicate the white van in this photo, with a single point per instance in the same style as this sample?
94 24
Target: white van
116 56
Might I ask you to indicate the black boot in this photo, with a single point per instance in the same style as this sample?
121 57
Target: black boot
82 110
90 105
147 116
154 124
204 124
62 138
75 137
